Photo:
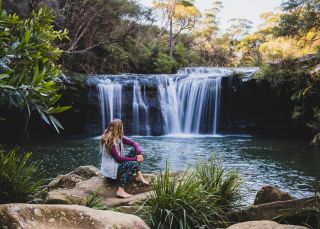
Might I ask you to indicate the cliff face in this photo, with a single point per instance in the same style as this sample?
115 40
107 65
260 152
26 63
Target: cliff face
251 106
247 105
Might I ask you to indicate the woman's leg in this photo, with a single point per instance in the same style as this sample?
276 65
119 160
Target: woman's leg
126 170
139 177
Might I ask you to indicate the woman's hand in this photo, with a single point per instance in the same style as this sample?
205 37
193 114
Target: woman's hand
140 158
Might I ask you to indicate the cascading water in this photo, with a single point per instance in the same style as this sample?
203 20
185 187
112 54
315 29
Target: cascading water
183 103
167 93
199 104
110 96
140 111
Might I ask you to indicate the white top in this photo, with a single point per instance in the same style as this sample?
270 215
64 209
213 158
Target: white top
109 166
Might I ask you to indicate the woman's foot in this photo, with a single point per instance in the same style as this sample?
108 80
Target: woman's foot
141 179
123 194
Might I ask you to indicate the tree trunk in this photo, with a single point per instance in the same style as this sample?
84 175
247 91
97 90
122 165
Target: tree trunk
171 29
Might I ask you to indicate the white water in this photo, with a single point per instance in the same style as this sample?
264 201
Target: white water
189 102
140 111
199 103
167 94
110 96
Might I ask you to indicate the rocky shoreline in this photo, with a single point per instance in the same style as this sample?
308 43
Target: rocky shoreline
61 206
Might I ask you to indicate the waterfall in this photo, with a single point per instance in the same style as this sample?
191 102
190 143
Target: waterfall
110 97
217 105
199 104
140 111
169 105
183 103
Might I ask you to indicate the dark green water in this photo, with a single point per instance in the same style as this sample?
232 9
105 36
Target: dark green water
290 165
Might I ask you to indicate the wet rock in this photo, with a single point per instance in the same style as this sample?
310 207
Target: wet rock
64 191
269 194
270 211
28 216
65 181
316 140
86 172
264 224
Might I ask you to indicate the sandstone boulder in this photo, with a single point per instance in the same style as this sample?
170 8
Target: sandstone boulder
28 216
74 188
86 171
65 181
269 194
71 179
264 224
270 211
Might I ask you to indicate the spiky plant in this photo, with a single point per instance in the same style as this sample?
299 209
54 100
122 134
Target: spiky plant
19 179
225 185
190 201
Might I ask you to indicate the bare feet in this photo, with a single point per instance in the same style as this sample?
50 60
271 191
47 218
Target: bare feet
141 179
123 194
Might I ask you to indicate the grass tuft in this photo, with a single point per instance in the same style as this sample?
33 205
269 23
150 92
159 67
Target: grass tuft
19 179
198 199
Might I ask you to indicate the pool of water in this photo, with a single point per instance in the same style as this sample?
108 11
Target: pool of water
290 165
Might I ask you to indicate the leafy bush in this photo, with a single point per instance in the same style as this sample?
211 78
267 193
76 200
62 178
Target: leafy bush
19 180
28 72
196 199
164 64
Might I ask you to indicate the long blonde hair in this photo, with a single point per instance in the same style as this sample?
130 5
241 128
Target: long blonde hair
113 133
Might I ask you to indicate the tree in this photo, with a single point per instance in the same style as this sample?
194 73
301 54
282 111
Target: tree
301 17
239 28
179 13
28 72
210 22
97 22
249 49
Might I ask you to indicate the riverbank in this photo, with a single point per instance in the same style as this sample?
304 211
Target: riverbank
67 191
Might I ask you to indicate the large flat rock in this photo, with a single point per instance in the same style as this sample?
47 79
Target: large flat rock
29 216
74 188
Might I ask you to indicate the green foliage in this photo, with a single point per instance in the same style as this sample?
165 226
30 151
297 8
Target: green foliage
19 179
181 55
95 201
191 200
164 64
221 183
285 77
301 17
28 73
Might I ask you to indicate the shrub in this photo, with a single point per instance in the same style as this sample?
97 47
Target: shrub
191 201
217 181
95 201
164 64
29 75
19 180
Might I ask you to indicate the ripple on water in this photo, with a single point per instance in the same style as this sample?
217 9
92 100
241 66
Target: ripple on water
292 166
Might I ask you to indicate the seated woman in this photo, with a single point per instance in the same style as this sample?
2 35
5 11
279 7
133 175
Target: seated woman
115 164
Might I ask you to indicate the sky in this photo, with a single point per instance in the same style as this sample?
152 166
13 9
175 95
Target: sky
249 9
